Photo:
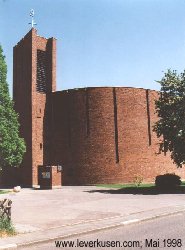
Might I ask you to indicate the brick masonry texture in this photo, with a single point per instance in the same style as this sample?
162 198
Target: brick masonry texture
98 135
84 141
29 103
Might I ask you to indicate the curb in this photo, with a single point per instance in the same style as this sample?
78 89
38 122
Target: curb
124 223
9 246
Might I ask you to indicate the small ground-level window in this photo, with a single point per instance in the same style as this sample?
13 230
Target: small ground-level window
40 145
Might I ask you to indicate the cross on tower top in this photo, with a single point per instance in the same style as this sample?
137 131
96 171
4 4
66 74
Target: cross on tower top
32 13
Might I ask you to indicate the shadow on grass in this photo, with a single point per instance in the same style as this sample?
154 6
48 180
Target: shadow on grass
141 190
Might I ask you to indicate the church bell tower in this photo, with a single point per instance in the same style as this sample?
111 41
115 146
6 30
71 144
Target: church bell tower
34 79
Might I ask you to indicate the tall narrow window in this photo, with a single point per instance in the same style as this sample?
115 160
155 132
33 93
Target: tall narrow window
41 71
115 125
87 112
148 117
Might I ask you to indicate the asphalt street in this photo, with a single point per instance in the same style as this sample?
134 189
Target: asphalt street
161 233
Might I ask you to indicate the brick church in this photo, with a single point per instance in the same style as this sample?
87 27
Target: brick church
84 136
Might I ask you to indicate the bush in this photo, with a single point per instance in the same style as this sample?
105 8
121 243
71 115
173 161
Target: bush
6 226
138 179
167 181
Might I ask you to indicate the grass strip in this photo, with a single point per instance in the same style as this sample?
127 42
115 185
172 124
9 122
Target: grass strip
129 185
5 191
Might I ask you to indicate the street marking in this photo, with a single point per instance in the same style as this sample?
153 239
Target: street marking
129 221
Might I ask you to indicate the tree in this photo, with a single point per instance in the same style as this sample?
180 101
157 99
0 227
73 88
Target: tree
12 147
171 111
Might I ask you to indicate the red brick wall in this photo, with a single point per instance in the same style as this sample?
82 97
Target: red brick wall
39 107
30 104
22 82
85 141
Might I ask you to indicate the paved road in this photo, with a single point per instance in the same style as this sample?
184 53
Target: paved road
137 236
70 205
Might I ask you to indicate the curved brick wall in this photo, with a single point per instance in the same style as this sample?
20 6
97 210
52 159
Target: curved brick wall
98 135
104 135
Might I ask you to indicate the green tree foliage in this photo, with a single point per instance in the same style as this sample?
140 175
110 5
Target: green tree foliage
171 111
12 147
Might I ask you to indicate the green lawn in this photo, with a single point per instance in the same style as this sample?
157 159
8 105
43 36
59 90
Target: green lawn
130 185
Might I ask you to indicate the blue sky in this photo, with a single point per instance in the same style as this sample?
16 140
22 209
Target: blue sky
102 42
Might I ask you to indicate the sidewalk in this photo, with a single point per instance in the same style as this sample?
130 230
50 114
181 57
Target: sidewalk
43 215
